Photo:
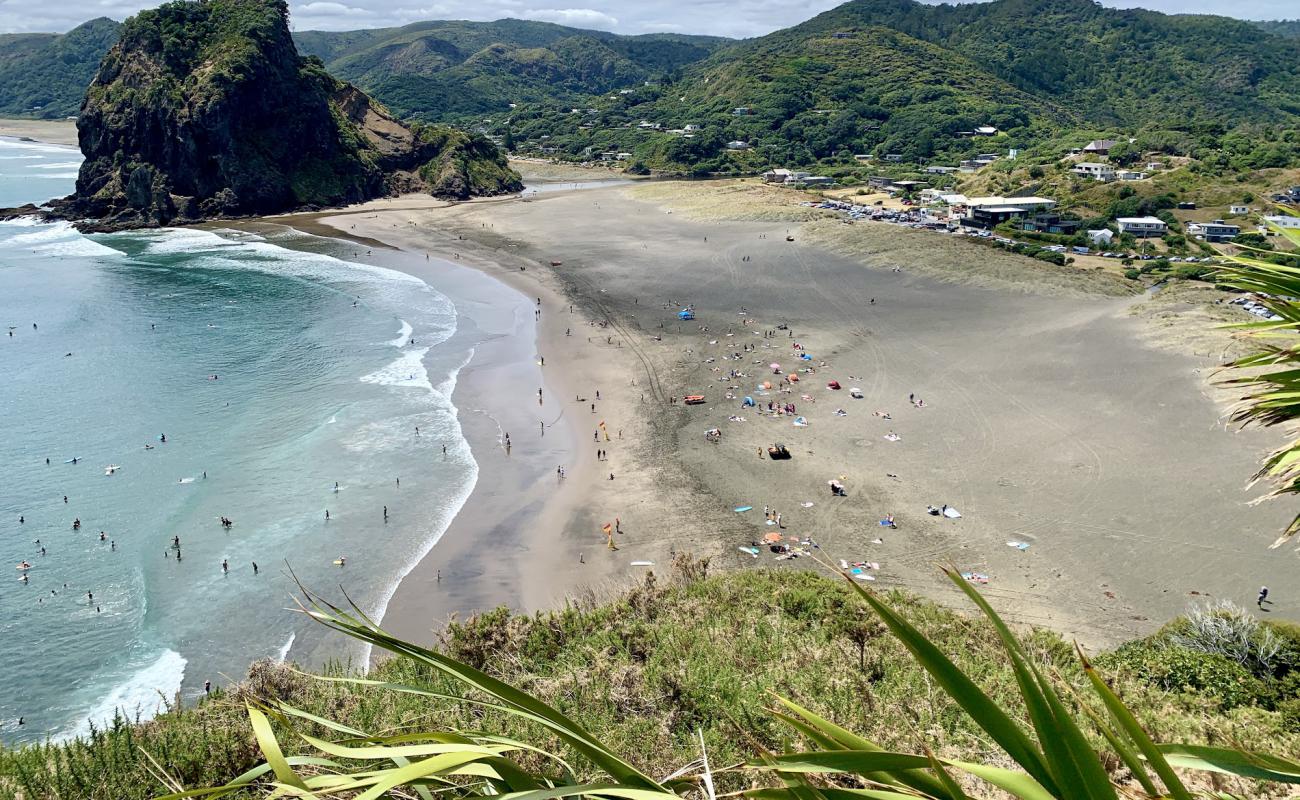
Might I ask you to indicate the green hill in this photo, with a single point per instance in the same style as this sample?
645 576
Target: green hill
907 78
440 70
45 75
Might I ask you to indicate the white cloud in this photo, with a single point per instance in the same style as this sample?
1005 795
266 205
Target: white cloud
575 17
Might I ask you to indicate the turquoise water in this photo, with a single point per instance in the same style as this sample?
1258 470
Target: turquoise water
274 373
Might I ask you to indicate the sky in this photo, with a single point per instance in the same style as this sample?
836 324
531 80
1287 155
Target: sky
737 18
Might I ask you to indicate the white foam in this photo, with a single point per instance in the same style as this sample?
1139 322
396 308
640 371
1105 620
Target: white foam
59 165
144 694
406 371
404 336
453 509
283 655
59 238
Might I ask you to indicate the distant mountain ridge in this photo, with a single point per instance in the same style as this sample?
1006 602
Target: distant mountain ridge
1282 27
460 67
456 67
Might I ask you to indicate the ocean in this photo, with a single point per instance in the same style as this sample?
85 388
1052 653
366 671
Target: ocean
287 379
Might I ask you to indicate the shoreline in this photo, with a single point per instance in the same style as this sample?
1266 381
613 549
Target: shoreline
59 132
1052 447
507 543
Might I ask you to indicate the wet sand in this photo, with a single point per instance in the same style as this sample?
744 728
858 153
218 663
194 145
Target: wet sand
1050 419
49 131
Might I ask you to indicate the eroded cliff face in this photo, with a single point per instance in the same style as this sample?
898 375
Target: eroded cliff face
205 109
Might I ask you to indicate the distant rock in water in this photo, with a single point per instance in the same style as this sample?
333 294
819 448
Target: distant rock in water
205 109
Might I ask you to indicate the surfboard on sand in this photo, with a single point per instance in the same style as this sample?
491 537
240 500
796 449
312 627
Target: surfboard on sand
742 509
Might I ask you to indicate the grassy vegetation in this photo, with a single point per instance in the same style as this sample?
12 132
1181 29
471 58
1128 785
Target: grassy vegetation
643 673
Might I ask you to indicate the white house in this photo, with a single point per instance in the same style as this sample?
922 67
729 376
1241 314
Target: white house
1282 221
1238 209
1095 170
1141 226
1101 238
1030 204
1216 231
691 128
1130 175
986 130
738 145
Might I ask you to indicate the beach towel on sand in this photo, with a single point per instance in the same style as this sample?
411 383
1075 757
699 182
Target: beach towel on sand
951 513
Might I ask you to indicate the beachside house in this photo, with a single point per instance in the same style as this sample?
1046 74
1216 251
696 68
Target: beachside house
624 156
1283 221
1099 147
1050 223
1216 231
906 186
1037 205
741 111
815 181
936 170
986 130
776 175
992 216
1142 227
895 157
1130 175
1235 209
1095 170
843 35
692 128
738 145
1102 237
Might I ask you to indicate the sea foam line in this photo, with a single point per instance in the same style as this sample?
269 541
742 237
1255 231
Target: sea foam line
404 336
407 371
143 694
381 604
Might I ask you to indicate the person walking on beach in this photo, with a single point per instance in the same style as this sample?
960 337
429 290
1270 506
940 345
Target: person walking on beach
385 513
254 567
1263 596
327 515
225 566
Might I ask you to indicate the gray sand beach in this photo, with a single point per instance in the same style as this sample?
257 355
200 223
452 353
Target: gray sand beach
1050 418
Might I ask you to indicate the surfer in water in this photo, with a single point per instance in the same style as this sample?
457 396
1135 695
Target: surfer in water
162 437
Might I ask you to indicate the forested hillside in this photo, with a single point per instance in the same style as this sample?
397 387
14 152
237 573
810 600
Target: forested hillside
911 80
1281 27
443 70
45 74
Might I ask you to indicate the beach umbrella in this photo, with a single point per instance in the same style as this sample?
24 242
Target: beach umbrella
774 365
772 537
